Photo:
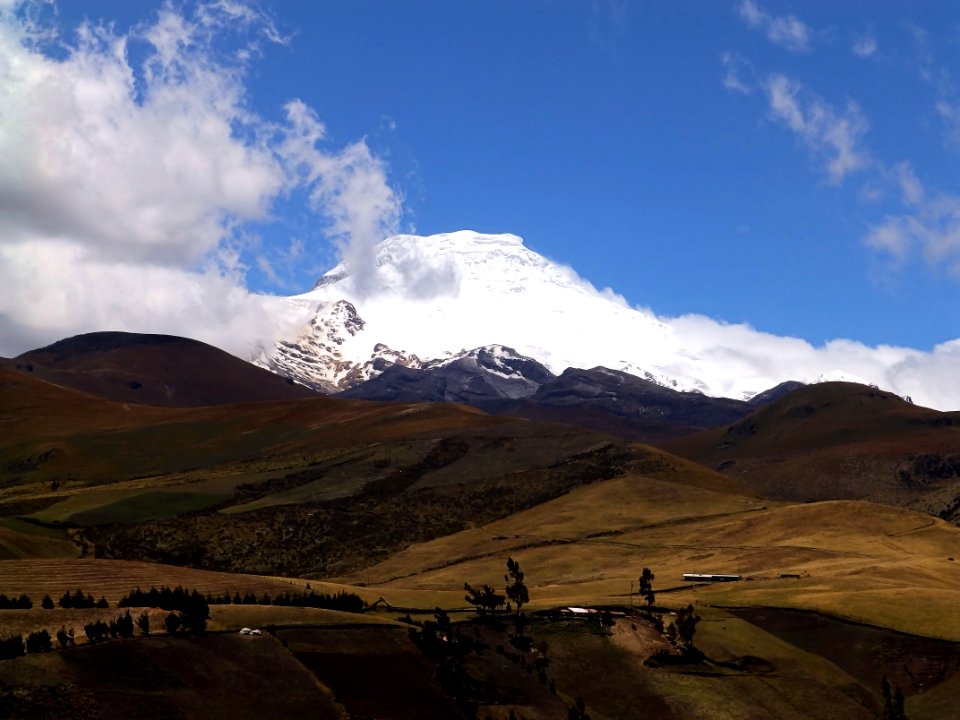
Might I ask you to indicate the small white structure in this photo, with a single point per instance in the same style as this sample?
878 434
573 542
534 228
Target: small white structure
249 631
707 577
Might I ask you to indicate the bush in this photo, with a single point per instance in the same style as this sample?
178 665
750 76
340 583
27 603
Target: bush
39 642
11 647
172 623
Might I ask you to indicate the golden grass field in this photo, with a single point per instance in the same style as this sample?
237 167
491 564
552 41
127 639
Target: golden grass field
858 560
872 563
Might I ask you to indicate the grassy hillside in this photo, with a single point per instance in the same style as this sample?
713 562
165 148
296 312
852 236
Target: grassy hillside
856 560
409 502
839 441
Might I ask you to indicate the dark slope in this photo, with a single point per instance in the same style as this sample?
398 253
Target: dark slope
599 399
158 370
839 441
626 405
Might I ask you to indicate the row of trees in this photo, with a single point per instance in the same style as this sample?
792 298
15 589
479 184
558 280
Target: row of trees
98 630
15 603
37 642
77 600
349 602
189 609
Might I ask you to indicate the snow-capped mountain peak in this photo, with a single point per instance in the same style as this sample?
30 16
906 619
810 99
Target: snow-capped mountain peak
418 300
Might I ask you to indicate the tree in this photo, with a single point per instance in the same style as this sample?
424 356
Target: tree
65 638
47 602
143 622
172 623
645 587
686 625
486 599
517 592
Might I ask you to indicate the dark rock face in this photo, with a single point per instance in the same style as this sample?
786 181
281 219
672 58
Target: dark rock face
484 374
502 382
622 404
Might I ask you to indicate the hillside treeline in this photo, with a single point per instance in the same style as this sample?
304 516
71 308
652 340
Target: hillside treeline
348 602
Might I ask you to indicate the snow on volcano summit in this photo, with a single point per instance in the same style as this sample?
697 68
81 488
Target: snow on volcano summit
440 296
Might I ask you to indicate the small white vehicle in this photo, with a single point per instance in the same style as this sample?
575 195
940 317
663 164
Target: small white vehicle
249 631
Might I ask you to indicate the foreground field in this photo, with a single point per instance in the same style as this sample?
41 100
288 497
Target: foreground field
877 564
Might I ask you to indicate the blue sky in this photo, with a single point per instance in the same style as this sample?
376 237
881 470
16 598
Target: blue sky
786 165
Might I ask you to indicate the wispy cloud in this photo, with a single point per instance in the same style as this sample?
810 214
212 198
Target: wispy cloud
608 23
738 74
125 189
349 186
834 135
786 31
930 229
865 46
948 110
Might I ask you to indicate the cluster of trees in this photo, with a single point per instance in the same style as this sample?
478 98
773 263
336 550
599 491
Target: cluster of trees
487 600
38 642
682 630
193 603
15 603
65 638
189 609
99 630
13 647
349 602
77 599
165 598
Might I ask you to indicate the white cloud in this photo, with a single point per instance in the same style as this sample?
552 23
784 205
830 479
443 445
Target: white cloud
949 112
737 358
351 189
735 67
932 229
831 134
787 31
124 190
865 46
